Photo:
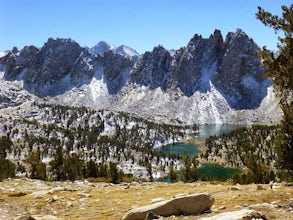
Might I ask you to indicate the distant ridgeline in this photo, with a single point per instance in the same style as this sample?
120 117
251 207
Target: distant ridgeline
211 80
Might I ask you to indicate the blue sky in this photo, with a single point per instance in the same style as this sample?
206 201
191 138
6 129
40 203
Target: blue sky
140 24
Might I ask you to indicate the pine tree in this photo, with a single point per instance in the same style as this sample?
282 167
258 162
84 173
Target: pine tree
38 168
114 174
189 169
5 145
172 173
57 164
150 171
91 169
7 169
73 167
280 68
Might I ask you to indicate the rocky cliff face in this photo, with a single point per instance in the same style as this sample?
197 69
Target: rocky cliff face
61 65
43 70
239 75
207 81
232 66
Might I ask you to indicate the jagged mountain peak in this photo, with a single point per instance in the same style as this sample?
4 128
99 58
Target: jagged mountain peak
217 37
240 39
157 50
59 40
102 47
209 74
61 46
65 45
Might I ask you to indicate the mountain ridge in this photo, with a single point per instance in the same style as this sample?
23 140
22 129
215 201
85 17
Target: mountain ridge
211 80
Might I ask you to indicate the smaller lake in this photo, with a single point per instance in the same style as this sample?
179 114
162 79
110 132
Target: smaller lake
216 171
180 148
208 171
205 131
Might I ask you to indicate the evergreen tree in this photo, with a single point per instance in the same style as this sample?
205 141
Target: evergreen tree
7 169
57 164
102 170
280 68
189 169
172 173
150 171
91 169
38 168
114 174
73 167
5 145
193 171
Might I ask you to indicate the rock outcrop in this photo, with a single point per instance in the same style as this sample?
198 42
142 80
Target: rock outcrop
185 205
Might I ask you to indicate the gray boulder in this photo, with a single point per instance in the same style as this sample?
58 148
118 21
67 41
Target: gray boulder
237 215
186 205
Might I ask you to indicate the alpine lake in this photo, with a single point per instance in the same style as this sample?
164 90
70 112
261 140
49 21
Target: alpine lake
216 171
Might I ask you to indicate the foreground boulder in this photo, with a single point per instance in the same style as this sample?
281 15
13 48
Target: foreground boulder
237 215
185 205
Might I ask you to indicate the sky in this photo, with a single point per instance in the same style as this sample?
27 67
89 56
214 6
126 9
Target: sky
139 24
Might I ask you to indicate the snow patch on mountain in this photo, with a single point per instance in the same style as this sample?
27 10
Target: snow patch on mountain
1 74
3 53
98 87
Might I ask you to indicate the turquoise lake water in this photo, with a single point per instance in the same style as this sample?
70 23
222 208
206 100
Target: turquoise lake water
218 172
180 148
205 131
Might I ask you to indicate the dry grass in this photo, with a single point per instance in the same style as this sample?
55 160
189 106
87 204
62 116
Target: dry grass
105 201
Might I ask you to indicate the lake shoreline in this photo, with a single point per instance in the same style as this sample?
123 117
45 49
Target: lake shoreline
200 141
196 146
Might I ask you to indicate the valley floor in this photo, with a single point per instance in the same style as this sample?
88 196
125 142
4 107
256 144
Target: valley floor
20 198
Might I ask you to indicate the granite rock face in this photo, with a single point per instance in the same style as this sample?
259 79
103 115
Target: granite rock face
239 75
210 80
60 65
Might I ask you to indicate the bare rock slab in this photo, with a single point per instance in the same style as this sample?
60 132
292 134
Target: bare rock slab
185 205
237 215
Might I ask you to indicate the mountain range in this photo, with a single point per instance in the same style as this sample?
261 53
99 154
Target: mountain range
210 81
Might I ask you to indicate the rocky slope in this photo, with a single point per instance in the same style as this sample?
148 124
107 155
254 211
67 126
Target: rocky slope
210 80
103 136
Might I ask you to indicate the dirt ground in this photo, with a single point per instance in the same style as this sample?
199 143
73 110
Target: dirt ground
24 198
